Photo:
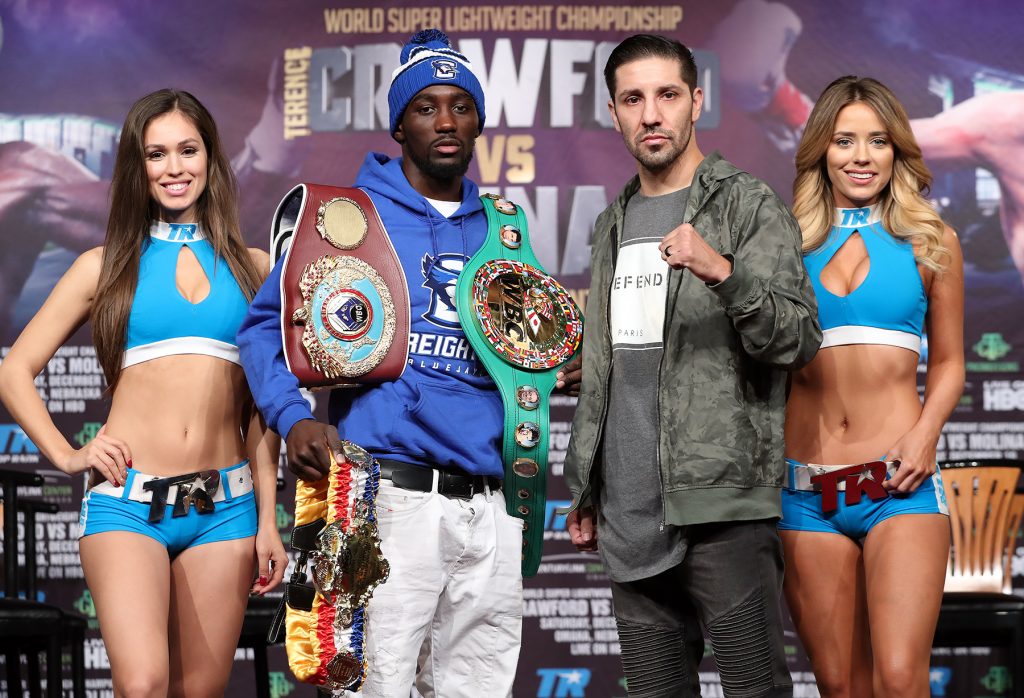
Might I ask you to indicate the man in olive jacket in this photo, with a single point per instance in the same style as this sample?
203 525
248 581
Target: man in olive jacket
699 304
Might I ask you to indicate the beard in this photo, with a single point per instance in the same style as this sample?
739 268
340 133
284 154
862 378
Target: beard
444 170
663 157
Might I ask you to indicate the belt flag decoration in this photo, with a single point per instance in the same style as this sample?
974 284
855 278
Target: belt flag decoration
344 299
524 326
336 539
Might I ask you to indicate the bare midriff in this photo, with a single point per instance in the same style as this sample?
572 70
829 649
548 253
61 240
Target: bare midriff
851 404
180 414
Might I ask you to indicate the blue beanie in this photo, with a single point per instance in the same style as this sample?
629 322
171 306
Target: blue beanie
429 59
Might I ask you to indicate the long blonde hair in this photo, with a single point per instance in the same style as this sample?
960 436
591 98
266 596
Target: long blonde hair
906 213
132 208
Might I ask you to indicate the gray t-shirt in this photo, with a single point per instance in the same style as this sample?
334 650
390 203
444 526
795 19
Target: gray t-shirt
633 543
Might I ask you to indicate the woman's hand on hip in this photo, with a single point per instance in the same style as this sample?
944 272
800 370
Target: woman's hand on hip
108 456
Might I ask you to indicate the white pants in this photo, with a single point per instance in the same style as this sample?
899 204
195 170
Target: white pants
453 602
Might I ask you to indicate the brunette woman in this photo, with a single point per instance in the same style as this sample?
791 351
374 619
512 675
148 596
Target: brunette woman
180 506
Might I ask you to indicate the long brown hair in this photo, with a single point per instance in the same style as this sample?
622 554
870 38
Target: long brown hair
132 209
906 214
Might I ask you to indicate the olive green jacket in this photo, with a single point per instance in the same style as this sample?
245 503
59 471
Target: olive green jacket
727 348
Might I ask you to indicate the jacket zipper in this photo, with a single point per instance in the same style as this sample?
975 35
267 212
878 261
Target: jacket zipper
604 402
661 366
661 363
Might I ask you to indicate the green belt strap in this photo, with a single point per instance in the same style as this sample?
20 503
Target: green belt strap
523 326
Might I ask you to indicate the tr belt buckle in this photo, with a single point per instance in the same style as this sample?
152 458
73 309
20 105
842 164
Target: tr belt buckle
193 489
863 478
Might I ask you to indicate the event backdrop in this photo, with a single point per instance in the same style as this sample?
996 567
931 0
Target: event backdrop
299 91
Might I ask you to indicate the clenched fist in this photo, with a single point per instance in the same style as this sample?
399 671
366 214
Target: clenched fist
684 248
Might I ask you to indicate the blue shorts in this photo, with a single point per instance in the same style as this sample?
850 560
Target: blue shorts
801 510
230 519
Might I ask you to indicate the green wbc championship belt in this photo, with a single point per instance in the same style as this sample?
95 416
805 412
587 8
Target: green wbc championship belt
524 326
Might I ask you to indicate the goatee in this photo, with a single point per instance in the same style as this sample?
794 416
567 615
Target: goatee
445 170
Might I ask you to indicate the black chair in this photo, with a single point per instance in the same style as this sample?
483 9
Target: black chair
978 604
25 624
73 626
259 616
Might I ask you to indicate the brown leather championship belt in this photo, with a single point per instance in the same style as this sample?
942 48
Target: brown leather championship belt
344 299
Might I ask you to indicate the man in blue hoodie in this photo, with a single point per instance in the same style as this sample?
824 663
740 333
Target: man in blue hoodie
455 588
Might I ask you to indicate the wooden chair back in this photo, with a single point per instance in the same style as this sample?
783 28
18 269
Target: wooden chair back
1016 519
984 515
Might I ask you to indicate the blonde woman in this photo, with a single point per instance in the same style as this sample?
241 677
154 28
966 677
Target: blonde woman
865 526
171 526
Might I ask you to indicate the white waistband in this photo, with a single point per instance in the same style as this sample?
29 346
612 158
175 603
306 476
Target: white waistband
798 475
181 345
860 334
236 480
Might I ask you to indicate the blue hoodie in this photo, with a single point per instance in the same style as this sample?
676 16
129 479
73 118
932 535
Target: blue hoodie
444 410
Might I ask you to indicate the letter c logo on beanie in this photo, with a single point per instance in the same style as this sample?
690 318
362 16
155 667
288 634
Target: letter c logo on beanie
445 70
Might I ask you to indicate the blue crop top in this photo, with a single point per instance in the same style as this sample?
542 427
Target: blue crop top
162 322
889 305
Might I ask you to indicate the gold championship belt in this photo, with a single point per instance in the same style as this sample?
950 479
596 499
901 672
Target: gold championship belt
344 300
336 538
